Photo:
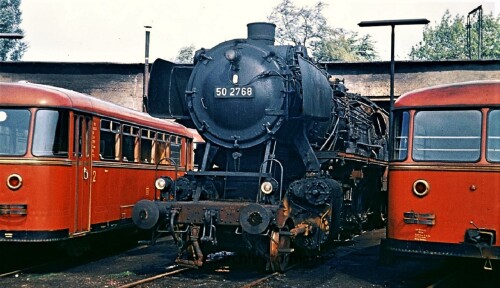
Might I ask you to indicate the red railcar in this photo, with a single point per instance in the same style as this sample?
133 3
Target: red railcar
444 176
72 165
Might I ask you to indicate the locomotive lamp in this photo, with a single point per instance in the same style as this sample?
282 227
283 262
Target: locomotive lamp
163 182
233 56
268 186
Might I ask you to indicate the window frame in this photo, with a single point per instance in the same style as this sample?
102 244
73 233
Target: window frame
27 147
402 114
131 131
487 151
448 160
114 128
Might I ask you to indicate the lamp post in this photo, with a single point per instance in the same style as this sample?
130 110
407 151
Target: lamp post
478 10
146 71
11 36
393 24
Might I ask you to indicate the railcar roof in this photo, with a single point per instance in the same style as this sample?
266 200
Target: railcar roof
474 93
36 95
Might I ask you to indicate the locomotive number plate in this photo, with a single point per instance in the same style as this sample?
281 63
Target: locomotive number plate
243 92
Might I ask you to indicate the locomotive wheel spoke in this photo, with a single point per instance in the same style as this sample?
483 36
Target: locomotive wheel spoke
279 252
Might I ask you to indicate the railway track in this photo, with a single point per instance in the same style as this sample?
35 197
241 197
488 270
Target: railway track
22 270
217 266
174 271
252 283
353 265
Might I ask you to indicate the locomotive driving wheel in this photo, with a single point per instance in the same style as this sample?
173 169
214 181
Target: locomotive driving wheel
279 251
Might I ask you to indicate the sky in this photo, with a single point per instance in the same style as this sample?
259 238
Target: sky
113 30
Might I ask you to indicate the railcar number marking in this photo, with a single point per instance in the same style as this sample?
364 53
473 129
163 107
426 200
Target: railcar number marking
234 91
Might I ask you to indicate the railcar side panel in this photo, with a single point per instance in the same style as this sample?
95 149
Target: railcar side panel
455 198
48 201
60 180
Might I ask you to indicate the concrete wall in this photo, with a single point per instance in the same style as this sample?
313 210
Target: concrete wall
118 83
123 83
373 79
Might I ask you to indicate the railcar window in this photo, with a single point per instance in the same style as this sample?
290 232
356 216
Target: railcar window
51 133
130 144
401 128
14 127
447 136
493 136
109 140
175 149
147 140
163 148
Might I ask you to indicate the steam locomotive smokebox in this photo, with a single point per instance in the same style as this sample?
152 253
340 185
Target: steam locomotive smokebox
261 31
241 94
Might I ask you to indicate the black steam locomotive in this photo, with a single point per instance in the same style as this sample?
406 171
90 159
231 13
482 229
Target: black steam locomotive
291 161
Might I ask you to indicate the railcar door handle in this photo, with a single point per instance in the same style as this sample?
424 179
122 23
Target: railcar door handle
85 174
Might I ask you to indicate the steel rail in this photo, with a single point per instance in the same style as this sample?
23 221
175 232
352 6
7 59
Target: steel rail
150 279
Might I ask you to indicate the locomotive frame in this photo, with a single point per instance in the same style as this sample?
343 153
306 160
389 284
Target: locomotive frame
67 159
292 161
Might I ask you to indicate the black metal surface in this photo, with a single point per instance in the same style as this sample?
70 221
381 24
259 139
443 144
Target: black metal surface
440 249
265 112
11 36
33 236
220 111
317 95
261 31
393 22
145 214
167 86
254 218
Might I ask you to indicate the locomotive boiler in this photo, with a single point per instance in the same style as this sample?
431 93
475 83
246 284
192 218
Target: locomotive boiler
291 161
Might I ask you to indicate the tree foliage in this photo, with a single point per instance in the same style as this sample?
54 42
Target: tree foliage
346 46
10 21
448 39
308 26
185 55
299 25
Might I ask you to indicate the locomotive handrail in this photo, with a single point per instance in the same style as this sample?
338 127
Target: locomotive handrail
260 178
176 171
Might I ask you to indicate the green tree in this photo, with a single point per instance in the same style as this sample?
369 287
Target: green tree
10 21
346 46
448 39
299 25
185 55
308 26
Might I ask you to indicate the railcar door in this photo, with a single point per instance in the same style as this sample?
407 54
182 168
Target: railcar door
82 148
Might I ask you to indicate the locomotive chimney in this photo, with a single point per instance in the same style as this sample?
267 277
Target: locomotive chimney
262 32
